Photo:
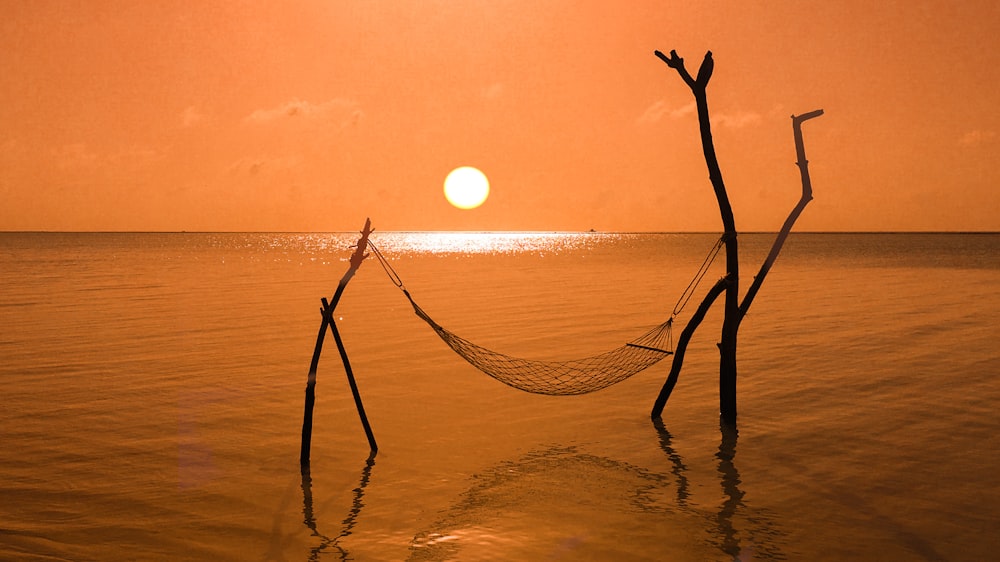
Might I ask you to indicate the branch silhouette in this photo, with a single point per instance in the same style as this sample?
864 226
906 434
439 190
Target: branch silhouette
734 309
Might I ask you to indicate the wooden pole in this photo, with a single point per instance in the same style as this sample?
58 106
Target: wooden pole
327 311
354 387
311 391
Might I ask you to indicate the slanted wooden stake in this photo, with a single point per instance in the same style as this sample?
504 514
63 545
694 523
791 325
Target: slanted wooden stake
328 322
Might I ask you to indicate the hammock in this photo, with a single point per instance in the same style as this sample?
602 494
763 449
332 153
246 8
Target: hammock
561 378
576 376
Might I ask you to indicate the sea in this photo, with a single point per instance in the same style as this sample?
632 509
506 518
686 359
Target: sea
152 396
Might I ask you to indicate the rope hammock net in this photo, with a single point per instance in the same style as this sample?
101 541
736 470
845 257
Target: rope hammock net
570 377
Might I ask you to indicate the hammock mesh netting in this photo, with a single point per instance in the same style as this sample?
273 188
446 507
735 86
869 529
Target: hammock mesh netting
575 376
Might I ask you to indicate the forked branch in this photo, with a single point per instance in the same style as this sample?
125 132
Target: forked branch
715 291
677 63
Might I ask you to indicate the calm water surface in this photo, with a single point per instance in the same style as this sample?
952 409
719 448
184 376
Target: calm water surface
152 396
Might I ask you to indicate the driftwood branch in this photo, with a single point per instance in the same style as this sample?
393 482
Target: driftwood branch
682 343
806 197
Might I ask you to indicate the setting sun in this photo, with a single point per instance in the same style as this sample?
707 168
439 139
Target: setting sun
466 187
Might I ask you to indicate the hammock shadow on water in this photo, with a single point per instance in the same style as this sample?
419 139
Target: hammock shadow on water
561 501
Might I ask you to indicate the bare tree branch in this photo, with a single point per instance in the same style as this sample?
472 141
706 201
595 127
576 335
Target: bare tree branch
677 63
682 343
786 228
734 310
705 72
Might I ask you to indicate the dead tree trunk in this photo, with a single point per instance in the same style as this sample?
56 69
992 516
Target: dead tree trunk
730 322
734 310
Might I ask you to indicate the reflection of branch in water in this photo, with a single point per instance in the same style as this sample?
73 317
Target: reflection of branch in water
678 469
759 531
309 517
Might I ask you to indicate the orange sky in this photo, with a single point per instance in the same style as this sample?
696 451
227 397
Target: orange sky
312 115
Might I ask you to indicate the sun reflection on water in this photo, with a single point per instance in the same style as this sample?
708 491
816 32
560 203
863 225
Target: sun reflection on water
493 243
336 247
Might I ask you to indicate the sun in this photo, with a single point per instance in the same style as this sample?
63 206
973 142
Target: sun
466 187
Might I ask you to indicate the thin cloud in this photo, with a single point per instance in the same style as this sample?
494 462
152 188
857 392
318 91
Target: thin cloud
81 156
257 166
661 110
75 156
135 156
977 138
191 116
341 111
493 91
737 120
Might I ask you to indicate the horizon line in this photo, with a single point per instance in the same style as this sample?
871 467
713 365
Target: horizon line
495 231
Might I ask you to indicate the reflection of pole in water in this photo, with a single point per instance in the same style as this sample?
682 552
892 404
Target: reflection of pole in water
309 517
352 516
730 478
